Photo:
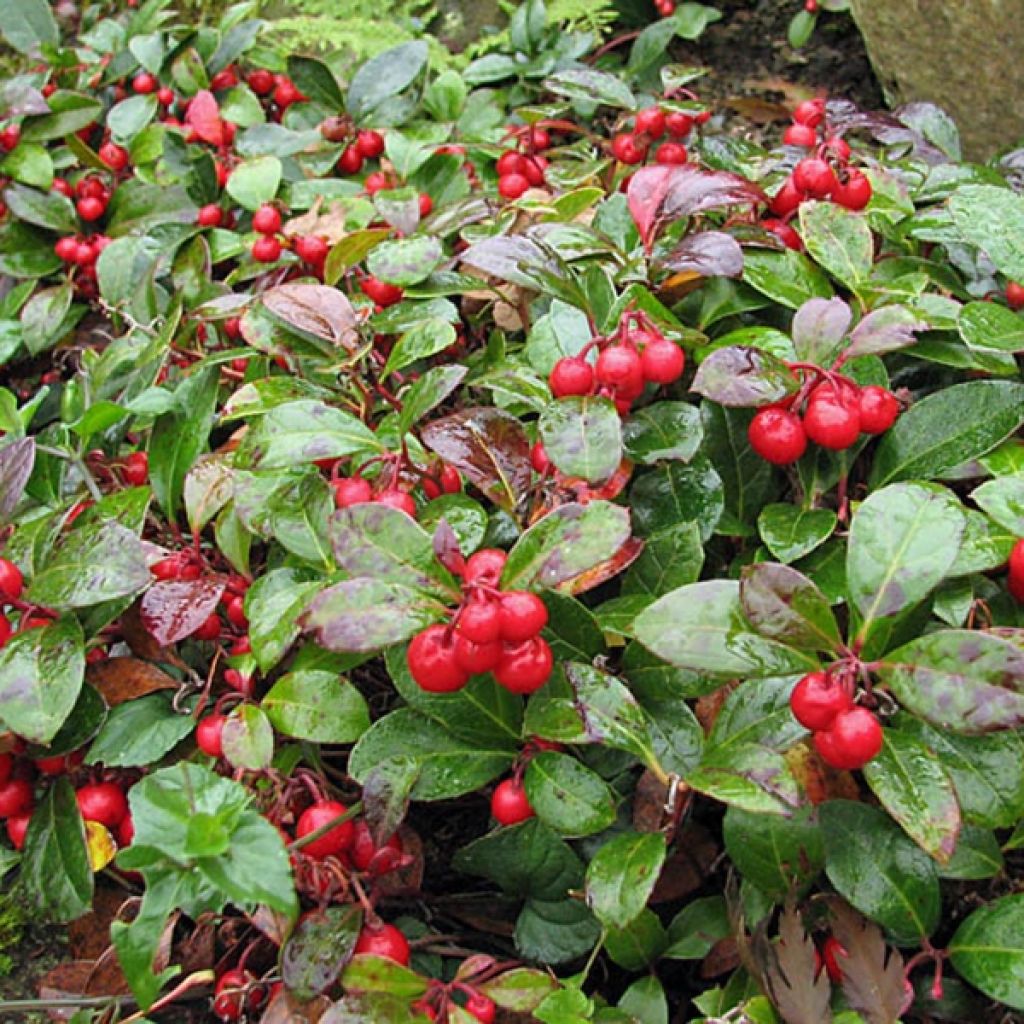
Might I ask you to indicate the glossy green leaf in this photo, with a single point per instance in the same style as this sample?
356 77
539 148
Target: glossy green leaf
664 430
992 218
772 852
671 558
568 796
140 732
317 951
248 738
748 776
583 437
255 182
1003 500
621 877
790 532
838 240
317 706
678 492
988 950
783 604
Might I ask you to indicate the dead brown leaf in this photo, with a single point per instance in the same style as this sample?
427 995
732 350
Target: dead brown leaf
123 679
688 864
800 993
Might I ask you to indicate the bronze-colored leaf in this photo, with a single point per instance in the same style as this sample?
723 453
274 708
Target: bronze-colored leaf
315 309
798 990
873 980
123 679
688 865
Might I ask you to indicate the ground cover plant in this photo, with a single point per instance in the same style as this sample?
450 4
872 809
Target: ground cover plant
485 546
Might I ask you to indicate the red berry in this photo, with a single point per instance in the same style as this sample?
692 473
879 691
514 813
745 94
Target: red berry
512 186
509 804
238 682
670 153
485 566
651 121
627 150
261 81
534 169
395 498
113 156
17 829
832 418
381 292
7 766
286 93
800 135
233 327
144 83
525 667
786 233
103 802
11 136
817 699
376 182
678 125
476 658
878 409
815 177
210 216
838 147
855 193
777 435
210 629
662 361
15 797
6 629
267 220
91 187
539 458
538 138
510 162
523 615
224 79
479 1006
787 199
370 144
619 367
66 248
85 254
311 249
1015 582
90 209
480 620
854 739
451 479
366 855
209 735
334 841
385 940
234 607
810 113
266 249
165 96
426 204
229 995
432 661
352 490
350 161
831 951
136 469
571 375
1015 295
11 581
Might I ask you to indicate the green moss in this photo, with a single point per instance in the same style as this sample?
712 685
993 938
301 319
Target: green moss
13 918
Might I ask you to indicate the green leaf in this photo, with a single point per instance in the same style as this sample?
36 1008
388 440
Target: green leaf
423 340
583 437
638 944
903 540
317 951
947 428
95 563
248 739
698 926
664 430
609 714
255 182
406 261
746 775
448 766
568 796
555 932
701 627
783 604
671 558
621 877
317 706
522 989
977 856
591 87
41 673
880 871
801 28
790 532
140 732
915 789
988 950
273 605
70 112
964 680
788 277
30 164
1003 500
989 325
28 25
316 81
563 545
384 76
44 318
772 852
838 239
992 218
127 118
44 209
55 869
428 392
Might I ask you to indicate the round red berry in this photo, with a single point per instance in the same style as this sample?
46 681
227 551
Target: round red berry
113 156
662 361
571 375
1015 295
103 802
432 661
384 940
509 803
209 735
370 144
810 112
261 81
619 367
311 249
670 153
777 435
12 583
854 193
17 828
800 135
229 995
15 797
878 409
381 292
266 249
396 498
815 177
475 658
352 490
144 83
479 1006
90 209
480 620
267 220
366 855
485 566
335 840
523 615
854 738
651 121
510 162
512 186
679 125
210 216
817 699
787 199
350 161
525 667
627 149
832 417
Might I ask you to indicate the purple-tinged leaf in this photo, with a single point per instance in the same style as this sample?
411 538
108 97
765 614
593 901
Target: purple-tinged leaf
819 325
508 258
367 615
743 377
709 253
172 610
964 680
16 462
884 330
747 775
785 605
319 948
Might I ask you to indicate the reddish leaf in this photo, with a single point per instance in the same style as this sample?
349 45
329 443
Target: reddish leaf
122 679
203 117
173 610
800 993
665 192
489 447
743 377
708 253
872 973
606 570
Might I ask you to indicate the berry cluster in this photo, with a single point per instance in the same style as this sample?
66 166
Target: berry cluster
845 735
266 221
649 125
836 414
522 168
367 145
491 631
638 354
827 174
